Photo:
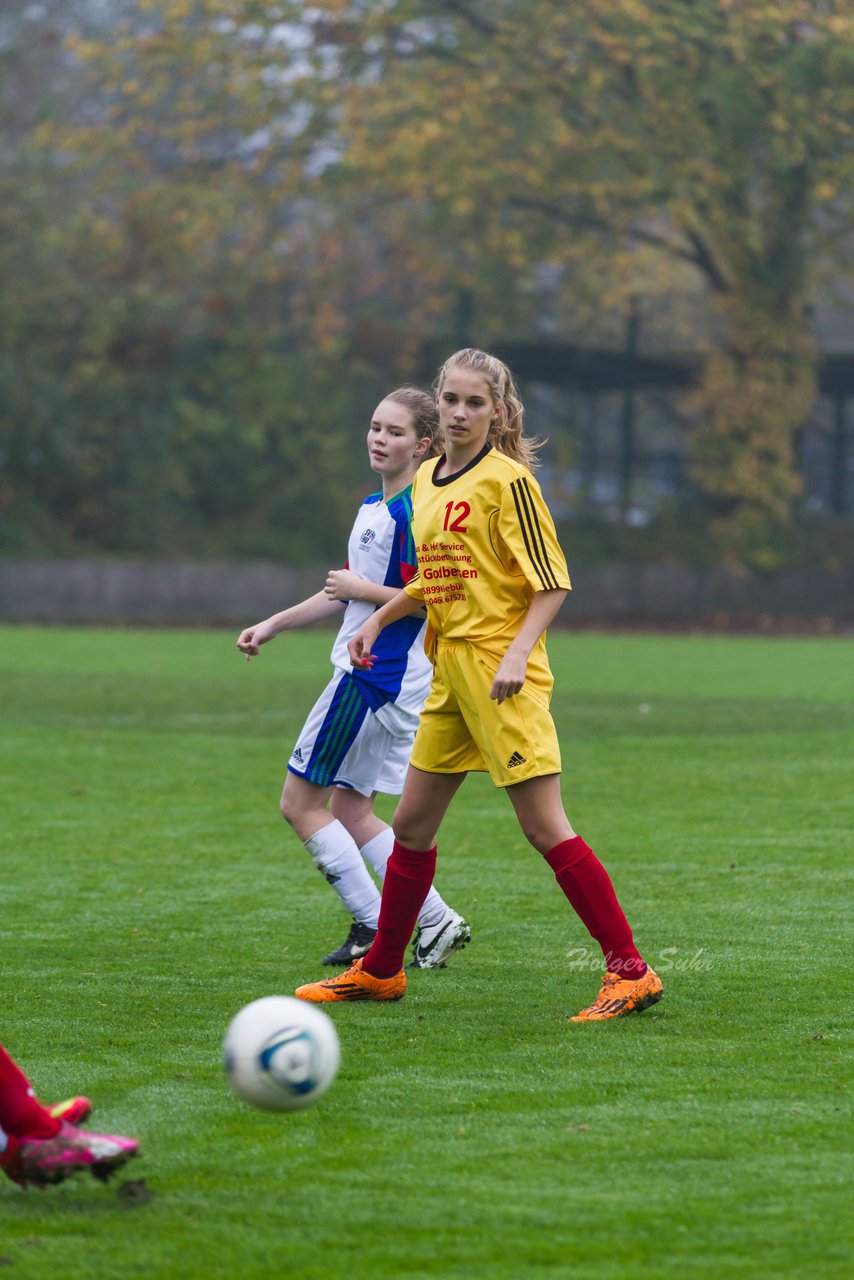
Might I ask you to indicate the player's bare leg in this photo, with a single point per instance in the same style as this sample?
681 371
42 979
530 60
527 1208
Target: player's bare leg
423 805
356 813
303 806
539 808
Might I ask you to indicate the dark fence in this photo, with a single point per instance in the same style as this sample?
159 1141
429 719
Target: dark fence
202 594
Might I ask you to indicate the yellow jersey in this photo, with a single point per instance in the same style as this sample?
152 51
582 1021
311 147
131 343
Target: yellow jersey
485 543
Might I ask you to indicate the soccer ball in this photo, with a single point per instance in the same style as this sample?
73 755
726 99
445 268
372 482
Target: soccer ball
281 1054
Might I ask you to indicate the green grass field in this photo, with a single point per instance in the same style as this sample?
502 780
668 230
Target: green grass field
150 889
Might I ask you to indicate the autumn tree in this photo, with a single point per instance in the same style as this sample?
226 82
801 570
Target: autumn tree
717 136
342 172
168 379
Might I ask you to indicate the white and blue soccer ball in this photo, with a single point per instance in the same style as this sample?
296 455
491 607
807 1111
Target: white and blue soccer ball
281 1054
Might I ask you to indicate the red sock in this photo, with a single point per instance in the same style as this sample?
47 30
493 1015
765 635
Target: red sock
588 887
408 877
20 1113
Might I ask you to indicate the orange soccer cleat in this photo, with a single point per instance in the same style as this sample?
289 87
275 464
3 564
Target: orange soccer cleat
353 984
619 996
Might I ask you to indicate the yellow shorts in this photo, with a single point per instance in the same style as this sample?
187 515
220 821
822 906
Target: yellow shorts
462 728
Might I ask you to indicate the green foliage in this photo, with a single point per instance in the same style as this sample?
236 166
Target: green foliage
715 135
169 383
163 424
151 889
686 535
227 223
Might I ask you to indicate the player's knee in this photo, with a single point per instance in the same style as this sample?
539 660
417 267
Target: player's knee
291 808
414 834
539 834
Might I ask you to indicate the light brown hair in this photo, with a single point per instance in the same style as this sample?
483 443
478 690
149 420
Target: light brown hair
425 416
506 432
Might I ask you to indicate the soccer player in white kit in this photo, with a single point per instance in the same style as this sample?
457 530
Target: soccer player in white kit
358 737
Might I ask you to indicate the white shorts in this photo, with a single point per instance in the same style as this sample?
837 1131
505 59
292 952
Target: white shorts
343 744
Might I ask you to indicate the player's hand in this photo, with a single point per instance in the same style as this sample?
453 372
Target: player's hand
251 638
360 647
343 584
509 677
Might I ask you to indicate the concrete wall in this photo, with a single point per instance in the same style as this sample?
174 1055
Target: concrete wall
182 594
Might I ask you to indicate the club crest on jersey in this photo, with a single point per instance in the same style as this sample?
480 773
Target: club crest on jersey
367 537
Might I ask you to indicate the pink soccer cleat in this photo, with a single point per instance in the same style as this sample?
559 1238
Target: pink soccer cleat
45 1161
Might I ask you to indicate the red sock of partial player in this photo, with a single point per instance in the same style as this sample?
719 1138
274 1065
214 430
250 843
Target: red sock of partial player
408 877
21 1114
588 887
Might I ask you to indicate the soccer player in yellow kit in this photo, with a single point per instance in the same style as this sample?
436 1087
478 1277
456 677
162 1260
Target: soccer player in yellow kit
492 576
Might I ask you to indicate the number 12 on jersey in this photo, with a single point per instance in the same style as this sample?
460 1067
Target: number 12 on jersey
456 525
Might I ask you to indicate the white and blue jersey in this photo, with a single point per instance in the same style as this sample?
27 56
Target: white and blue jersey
381 550
359 733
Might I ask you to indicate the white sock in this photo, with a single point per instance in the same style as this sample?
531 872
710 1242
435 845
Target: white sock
335 854
377 852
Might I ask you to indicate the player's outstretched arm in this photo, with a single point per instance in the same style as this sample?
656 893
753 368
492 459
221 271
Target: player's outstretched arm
401 605
316 608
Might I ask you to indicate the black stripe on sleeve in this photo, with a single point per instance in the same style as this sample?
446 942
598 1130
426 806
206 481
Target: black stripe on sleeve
539 534
532 534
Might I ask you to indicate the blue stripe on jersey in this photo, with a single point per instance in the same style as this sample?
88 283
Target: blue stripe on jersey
382 682
337 734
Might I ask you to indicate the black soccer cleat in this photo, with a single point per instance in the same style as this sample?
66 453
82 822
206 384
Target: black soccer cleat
358 944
